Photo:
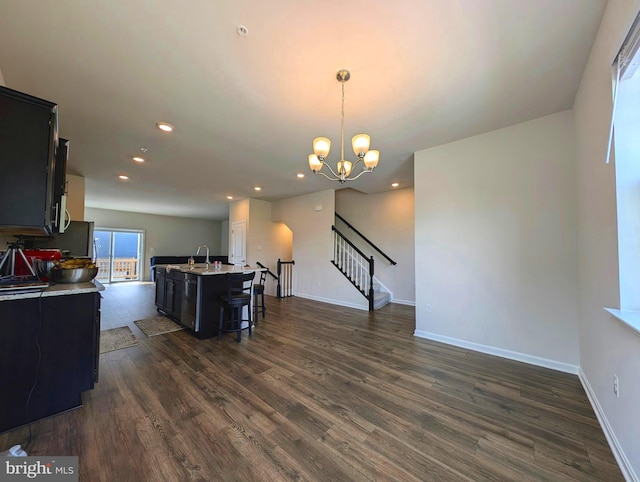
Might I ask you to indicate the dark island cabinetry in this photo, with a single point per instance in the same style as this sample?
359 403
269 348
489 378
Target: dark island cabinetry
190 299
50 344
191 295
169 292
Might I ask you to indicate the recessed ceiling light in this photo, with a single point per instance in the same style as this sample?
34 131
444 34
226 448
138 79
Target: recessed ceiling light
300 175
124 178
138 158
229 198
395 184
164 126
258 188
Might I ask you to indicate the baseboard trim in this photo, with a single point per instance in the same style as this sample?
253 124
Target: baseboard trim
350 305
492 350
403 302
332 302
623 462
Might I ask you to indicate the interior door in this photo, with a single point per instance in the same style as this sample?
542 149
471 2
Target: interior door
239 243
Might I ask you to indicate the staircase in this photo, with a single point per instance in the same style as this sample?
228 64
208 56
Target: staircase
358 269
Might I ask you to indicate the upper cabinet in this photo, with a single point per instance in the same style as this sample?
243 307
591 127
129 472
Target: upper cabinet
32 163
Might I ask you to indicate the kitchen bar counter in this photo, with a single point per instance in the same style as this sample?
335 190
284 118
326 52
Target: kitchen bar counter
190 295
53 290
201 269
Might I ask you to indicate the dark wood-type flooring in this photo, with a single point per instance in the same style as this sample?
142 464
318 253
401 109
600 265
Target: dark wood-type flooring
320 392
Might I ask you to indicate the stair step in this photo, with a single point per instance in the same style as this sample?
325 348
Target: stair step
380 298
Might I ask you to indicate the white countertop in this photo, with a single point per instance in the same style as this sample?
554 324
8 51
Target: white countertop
54 290
202 269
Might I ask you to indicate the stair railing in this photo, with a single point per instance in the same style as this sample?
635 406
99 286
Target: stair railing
354 265
285 279
365 239
268 270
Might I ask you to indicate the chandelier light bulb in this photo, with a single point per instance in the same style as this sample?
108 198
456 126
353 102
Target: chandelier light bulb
314 163
371 159
344 168
321 146
360 144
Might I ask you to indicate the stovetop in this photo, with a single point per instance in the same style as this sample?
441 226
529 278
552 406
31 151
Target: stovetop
22 283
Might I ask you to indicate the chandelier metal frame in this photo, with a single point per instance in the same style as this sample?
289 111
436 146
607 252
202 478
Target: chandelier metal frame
360 142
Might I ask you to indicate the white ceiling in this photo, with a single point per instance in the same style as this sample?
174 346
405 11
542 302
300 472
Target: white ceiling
423 73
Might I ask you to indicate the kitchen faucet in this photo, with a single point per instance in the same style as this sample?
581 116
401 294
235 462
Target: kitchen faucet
198 252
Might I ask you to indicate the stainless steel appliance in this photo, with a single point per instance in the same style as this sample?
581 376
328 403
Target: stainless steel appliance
189 301
76 241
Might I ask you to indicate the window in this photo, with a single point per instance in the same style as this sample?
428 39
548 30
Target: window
626 119
118 255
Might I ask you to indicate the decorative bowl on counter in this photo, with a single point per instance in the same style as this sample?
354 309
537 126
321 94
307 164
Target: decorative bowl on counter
73 275
43 268
73 270
42 261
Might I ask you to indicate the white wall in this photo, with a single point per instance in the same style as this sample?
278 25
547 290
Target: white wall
387 220
267 241
164 235
314 275
2 79
606 346
5 239
75 197
496 229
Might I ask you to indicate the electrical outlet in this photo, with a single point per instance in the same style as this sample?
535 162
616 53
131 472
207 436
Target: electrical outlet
616 385
428 308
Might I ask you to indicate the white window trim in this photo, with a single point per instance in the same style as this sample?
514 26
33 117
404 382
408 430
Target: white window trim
630 319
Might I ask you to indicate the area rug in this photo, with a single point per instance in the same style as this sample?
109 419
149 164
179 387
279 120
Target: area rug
158 325
117 338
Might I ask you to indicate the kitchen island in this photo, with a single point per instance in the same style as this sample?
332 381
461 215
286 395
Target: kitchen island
49 348
190 294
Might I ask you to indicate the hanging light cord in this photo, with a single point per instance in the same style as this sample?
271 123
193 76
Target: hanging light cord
342 126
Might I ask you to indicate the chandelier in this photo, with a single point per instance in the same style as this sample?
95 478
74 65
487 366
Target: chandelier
360 144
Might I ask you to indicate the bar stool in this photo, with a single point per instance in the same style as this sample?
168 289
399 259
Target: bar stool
258 296
236 297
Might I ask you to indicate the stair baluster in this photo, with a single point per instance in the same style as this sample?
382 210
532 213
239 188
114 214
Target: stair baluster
354 265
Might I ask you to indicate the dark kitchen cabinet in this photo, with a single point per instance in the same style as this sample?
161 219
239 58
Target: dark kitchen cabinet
59 174
28 159
161 279
169 292
50 345
60 215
